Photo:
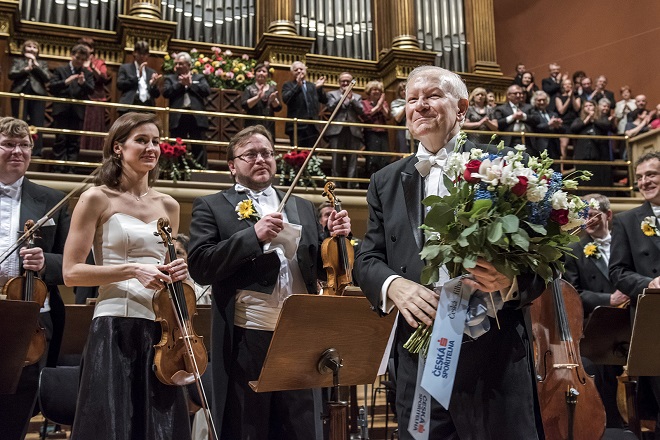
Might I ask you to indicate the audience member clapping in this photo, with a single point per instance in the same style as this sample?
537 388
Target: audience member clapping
623 107
479 116
376 111
578 76
30 76
567 105
547 122
94 115
398 110
261 99
528 86
641 121
591 122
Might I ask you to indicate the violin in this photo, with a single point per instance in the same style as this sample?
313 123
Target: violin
29 287
180 356
571 407
337 253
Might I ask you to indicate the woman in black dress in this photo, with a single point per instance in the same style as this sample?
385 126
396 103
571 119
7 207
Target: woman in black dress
260 99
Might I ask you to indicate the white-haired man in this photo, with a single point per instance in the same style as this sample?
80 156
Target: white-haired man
493 394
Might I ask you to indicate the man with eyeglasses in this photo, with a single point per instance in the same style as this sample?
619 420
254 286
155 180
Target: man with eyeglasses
548 121
514 115
22 200
636 248
70 81
588 273
255 257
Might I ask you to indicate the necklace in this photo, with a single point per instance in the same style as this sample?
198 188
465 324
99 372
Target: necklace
139 198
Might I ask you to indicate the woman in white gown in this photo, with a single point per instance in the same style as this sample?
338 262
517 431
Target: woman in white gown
119 395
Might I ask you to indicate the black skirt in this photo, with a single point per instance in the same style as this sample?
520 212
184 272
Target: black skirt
119 396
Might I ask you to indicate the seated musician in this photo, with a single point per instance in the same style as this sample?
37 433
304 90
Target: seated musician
120 397
255 257
21 200
588 273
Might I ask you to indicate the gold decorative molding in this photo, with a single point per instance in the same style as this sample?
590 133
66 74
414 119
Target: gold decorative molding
144 8
283 50
404 24
276 17
155 32
9 16
59 47
480 34
396 64
498 84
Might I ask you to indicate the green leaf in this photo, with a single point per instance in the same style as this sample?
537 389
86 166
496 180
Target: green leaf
510 223
470 261
430 200
440 217
521 239
537 228
495 231
429 275
430 251
549 253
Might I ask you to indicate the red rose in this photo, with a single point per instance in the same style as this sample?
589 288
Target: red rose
559 216
472 167
289 158
520 187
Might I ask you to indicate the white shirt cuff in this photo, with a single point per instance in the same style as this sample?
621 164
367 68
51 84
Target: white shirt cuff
509 119
386 304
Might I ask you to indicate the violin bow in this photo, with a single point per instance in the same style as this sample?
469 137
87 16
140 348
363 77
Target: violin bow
316 144
27 234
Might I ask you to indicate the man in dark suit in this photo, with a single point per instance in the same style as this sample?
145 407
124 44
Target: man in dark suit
303 100
601 92
343 137
247 250
636 245
494 392
22 200
588 273
137 81
552 84
70 81
187 90
547 122
514 115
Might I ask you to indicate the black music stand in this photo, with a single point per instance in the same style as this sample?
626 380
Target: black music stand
644 356
317 335
606 337
17 327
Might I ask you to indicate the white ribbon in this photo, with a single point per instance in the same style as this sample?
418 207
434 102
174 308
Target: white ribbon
446 339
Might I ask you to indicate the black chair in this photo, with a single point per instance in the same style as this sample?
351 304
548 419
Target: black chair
58 392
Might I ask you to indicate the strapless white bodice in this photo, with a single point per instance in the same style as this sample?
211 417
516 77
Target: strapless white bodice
120 240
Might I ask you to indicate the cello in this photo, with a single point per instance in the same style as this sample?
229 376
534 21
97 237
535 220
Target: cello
571 407
29 287
337 252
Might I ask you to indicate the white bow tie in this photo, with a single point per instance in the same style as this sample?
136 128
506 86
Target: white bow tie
427 162
10 191
267 192
603 241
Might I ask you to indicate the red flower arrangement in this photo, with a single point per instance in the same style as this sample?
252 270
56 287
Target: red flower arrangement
175 161
290 163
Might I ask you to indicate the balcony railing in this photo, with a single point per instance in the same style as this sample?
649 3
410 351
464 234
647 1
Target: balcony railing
164 112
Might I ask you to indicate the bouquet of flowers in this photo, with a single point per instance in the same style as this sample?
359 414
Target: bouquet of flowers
222 70
517 216
289 164
175 161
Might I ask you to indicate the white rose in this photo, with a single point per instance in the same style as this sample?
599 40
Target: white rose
559 200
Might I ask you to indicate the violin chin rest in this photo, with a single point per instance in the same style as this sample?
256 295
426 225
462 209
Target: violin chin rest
183 378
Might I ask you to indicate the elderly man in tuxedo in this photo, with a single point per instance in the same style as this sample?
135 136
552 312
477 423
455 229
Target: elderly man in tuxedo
344 137
22 200
255 257
137 81
494 391
187 90
303 100
636 245
588 273
514 115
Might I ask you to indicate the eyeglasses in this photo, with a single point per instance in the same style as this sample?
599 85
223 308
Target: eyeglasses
251 156
10 146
